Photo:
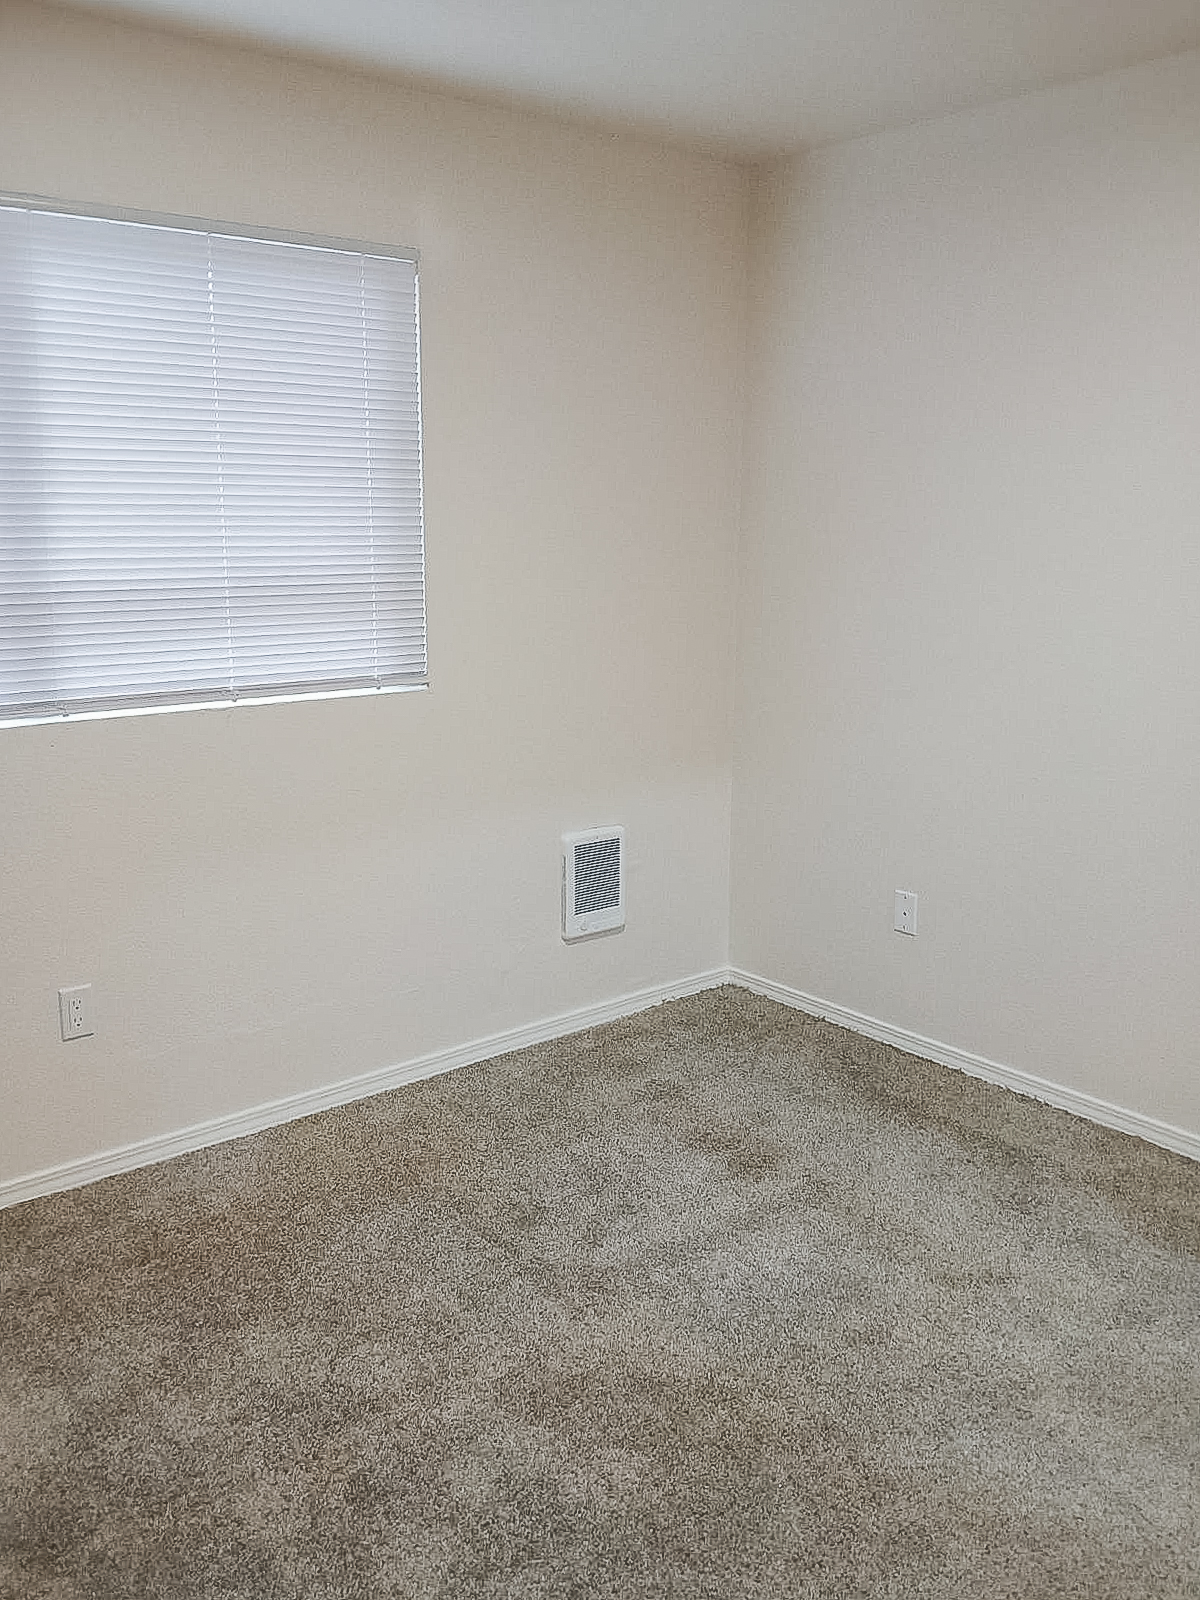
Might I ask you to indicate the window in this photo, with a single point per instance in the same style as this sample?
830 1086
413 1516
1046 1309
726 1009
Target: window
210 465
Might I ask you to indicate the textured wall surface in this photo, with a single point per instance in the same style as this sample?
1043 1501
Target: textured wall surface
967 565
969 656
274 898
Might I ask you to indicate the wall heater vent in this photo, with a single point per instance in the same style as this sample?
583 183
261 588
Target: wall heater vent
593 882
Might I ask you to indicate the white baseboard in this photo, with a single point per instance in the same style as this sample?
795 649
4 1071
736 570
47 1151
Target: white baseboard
1024 1083
148 1152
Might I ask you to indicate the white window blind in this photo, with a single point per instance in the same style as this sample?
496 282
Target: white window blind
210 465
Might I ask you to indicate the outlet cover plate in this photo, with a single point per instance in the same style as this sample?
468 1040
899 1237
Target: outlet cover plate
75 1011
905 919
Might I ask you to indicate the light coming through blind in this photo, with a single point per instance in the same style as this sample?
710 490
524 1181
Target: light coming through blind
210 465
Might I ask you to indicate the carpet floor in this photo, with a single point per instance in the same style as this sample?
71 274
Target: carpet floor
718 1301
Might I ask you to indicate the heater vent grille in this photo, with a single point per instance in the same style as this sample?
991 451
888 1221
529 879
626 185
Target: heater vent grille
593 882
597 875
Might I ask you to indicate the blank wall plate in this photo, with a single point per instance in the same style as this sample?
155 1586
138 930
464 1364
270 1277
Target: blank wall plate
905 920
75 1011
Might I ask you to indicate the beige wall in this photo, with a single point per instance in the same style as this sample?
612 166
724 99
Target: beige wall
970 626
968 663
273 898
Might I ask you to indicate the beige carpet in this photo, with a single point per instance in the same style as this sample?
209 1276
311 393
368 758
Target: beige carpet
718 1301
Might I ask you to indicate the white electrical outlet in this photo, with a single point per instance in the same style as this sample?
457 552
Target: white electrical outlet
75 1011
905 919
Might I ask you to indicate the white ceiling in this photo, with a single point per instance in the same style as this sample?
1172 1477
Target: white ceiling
750 77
